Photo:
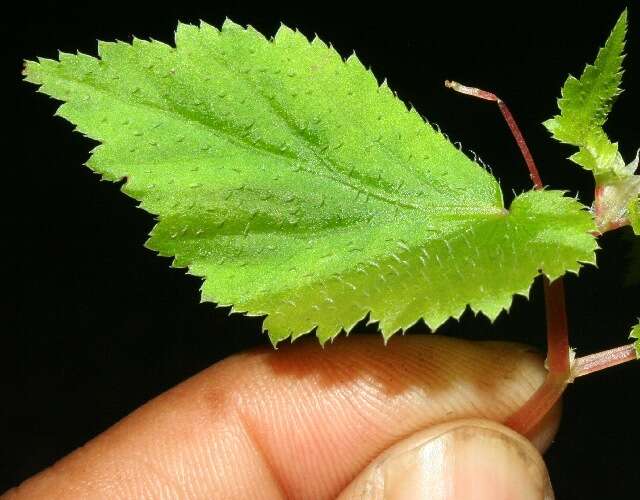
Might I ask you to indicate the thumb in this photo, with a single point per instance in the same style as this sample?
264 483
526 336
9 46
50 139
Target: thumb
469 459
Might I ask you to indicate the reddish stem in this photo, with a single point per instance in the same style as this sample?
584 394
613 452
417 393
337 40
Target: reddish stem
604 359
531 413
508 117
557 328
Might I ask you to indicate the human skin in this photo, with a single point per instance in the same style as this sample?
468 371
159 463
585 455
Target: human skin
312 422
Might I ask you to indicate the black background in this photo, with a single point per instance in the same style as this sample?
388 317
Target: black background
95 324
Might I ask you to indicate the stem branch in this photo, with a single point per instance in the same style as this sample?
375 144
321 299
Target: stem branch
604 359
558 353
527 417
530 414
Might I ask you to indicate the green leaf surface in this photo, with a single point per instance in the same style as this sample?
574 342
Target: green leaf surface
635 334
585 104
301 189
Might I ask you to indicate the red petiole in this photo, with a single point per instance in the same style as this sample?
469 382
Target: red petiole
562 369
508 117
525 419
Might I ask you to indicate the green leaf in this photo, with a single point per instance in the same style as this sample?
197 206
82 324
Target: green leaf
634 215
635 334
585 105
301 189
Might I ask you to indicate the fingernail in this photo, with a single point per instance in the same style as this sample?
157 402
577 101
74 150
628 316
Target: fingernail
470 463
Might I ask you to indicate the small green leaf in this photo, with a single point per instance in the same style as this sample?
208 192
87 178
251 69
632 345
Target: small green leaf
585 105
635 334
301 189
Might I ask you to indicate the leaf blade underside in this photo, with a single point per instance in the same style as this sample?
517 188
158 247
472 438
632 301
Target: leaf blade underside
301 189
